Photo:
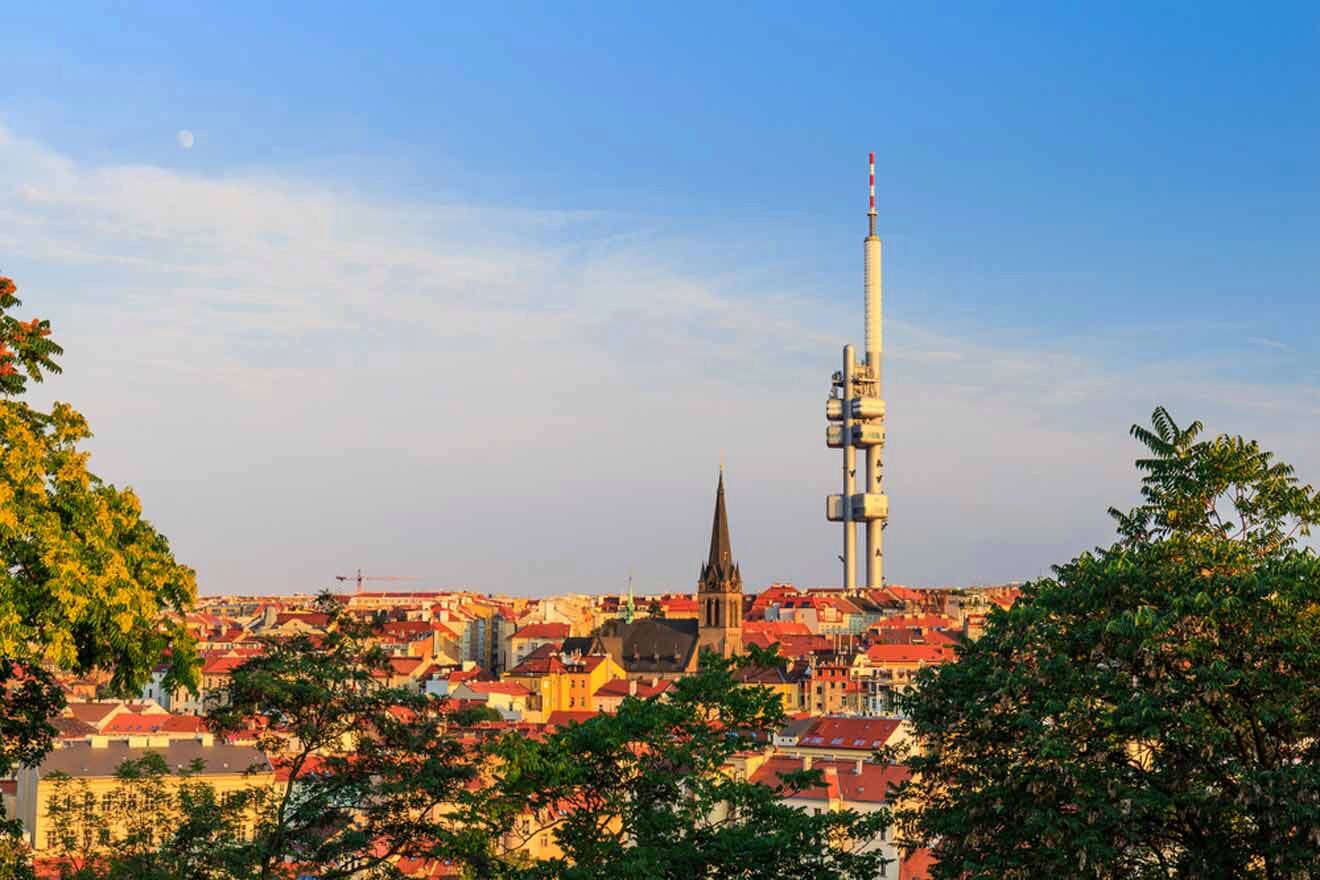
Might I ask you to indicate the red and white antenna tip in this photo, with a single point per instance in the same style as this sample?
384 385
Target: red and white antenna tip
872 163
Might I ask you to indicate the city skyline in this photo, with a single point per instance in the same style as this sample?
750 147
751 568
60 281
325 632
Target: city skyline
390 322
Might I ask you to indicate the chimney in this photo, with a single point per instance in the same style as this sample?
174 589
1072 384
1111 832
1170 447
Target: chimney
860 762
632 687
806 762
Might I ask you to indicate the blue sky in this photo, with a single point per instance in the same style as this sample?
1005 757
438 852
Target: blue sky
483 296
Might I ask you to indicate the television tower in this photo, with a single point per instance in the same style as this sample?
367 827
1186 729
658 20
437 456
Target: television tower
855 402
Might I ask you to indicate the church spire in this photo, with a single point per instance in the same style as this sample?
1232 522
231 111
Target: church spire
719 590
721 549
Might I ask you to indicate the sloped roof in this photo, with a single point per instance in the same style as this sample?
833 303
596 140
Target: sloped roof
583 645
887 653
769 675
916 865
511 688
69 727
853 734
563 719
136 723
94 713
721 548
775 628
543 631
868 784
222 664
651 644
793 646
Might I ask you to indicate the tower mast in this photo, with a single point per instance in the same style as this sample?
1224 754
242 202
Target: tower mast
856 401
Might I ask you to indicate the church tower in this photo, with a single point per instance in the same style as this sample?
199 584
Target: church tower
719 590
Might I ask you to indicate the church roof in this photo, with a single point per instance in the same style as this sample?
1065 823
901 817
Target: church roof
651 644
721 549
720 566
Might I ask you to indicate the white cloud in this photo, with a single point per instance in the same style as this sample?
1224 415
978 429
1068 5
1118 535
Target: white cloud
301 378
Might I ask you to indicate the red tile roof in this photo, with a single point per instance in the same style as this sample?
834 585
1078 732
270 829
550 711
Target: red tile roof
882 654
539 663
792 646
853 734
907 594
775 628
921 621
133 722
412 630
400 666
311 618
916 865
867 783
512 688
563 719
543 631
222 665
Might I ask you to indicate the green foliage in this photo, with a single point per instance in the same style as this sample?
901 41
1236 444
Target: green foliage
471 716
15 857
29 697
371 765
647 793
1151 710
85 582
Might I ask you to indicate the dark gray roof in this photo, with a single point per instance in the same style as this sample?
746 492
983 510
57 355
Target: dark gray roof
719 572
651 644
796 728
81 760
577 645
69 727
721 549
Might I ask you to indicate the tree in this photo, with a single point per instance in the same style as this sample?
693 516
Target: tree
471 716
1152 710
85 582
647 792
153 825
371 768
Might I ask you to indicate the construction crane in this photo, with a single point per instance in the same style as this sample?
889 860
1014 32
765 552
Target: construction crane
360 577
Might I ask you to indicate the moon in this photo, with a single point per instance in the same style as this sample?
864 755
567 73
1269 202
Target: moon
185 138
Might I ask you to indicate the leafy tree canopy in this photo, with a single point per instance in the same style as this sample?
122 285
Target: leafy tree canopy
85 580
648 792
372 766
1152 710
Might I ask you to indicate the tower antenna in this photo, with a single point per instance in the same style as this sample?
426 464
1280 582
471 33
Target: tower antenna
856 400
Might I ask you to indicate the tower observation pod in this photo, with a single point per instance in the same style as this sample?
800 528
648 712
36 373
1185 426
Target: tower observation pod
855 412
